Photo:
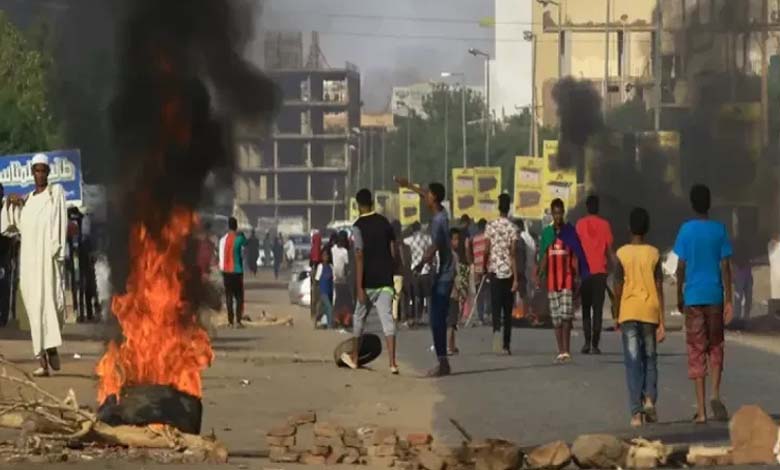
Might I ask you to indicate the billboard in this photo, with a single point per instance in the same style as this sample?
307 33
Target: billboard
529 183
408 206
464 197
488 187
17 177
558 182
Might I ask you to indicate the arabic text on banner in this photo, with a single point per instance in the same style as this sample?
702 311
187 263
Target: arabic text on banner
17 177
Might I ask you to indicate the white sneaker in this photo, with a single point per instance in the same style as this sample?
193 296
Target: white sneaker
347 359
41 372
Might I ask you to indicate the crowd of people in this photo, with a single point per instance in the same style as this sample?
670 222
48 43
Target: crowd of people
468 272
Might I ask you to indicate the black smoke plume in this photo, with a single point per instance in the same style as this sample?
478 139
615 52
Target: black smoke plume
183 88
579 115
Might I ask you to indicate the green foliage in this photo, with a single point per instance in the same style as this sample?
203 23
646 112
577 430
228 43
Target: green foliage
26 123
510 138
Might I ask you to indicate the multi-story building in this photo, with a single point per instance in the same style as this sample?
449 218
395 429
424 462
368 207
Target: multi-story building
303 170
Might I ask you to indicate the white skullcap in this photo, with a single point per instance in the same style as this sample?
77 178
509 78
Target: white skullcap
40 159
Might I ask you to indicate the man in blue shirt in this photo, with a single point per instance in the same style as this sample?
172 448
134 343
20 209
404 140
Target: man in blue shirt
704 294
442 284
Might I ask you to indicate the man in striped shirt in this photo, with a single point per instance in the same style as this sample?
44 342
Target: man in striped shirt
559 257
231 255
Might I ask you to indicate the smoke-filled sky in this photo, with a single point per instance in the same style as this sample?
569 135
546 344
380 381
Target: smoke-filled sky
393 43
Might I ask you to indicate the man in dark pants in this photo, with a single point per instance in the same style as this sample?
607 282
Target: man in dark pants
6 271
500 251
231 257
595 234
443 280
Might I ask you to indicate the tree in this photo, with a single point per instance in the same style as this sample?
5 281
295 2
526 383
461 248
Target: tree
426 134
26 123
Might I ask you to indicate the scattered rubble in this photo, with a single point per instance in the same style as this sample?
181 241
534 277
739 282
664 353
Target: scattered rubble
600 451
555 455
753 437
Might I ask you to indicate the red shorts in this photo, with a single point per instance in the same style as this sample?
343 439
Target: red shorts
704 339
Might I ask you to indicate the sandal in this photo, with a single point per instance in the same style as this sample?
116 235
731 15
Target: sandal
697 420
41 372
566 358
558 359
719 412
394 370
637 420
346 358
651 414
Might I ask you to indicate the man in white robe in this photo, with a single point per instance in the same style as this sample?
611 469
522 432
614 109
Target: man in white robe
42 223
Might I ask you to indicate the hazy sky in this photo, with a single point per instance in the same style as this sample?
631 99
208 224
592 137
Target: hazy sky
392 42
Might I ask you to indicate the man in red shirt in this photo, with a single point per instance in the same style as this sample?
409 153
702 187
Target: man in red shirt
595 235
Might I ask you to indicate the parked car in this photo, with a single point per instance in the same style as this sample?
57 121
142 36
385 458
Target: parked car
302 245
299 287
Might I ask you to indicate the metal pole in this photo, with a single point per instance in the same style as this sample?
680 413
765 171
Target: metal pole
408 144
446 139
560 40
371 158
463 116
606 61
532 133
384 161
658 70
488 121
764 75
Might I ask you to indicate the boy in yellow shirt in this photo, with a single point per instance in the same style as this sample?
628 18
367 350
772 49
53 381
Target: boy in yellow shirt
639 293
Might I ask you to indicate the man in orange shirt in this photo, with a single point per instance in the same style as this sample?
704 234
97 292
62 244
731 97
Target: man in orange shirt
595 235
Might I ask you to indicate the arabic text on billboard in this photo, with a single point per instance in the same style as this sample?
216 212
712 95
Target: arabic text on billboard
17 177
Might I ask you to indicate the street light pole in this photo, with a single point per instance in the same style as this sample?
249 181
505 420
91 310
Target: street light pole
486 115
408 144
371 158
532 132
446 138
463 112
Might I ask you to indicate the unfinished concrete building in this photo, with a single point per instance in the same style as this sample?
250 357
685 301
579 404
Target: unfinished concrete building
302 172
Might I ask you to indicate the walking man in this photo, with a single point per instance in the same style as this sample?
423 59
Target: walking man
501 237
252 253
704 294
444 278
231 256
42 225
374 241
561 261
418 243
267 249
639 295
596 237
278 254
481 281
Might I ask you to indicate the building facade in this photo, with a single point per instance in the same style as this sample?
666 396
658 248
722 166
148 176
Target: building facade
303 170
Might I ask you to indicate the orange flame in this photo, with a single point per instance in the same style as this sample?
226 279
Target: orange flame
163 343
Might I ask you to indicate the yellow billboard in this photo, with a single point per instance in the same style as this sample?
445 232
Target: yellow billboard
559 183
529 183
488 187
354 213
408 207
464 197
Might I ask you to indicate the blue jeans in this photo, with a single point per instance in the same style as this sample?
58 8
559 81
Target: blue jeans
440 305
641 360
326 310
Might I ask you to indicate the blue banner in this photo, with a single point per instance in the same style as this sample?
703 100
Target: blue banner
17 177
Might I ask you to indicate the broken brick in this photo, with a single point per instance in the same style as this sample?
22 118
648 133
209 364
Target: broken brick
351 456
381 451
309 459
430 461
288 441
328 430
320 450
282 431
336 456
306 417
419 439
385 436
284 456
